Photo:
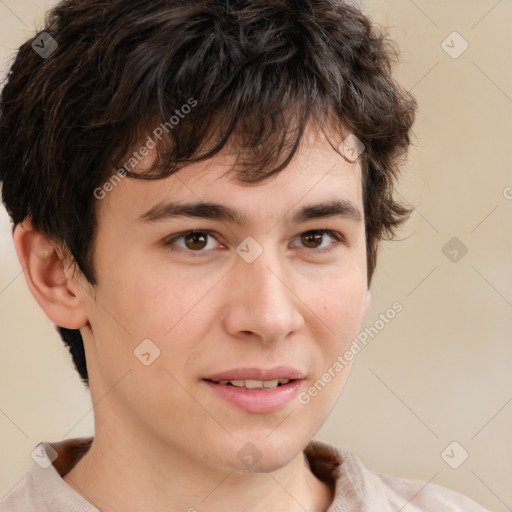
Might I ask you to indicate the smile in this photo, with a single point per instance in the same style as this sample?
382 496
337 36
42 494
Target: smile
255 384
255 396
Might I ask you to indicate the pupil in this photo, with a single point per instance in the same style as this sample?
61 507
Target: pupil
314 239
196 240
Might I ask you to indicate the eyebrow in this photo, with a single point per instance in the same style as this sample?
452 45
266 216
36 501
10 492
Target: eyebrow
215 211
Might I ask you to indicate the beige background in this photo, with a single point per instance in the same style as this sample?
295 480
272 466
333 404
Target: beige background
441 370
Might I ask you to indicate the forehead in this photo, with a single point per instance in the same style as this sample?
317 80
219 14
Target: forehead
316 173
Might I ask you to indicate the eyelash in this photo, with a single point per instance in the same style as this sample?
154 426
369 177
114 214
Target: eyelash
199 253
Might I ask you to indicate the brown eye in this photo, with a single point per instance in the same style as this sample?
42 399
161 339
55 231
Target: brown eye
196 240
321 240
312 239
195 243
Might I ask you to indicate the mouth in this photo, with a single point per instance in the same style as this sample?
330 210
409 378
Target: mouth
253 385
256 390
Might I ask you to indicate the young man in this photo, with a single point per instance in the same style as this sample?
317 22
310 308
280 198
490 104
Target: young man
198 190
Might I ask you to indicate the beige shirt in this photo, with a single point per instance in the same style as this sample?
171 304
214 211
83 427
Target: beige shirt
356 489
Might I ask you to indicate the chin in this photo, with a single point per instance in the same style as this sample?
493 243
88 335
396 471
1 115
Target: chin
254 454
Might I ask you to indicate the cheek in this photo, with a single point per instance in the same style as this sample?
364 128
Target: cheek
143 301
337 302
335 321
168 308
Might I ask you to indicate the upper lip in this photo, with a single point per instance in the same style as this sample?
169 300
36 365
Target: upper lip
277 372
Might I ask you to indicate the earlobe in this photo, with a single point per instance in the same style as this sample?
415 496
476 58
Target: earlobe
50 282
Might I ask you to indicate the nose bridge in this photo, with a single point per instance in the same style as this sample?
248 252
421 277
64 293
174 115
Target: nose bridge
264 278
264 303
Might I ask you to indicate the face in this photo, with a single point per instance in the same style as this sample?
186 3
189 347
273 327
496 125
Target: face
274 293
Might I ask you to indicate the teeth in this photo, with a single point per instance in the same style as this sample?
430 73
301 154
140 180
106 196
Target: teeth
255 384
251 384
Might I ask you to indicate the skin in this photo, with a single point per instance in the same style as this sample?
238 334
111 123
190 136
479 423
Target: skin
292 306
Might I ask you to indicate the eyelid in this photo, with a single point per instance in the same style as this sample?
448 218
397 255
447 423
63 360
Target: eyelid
336 235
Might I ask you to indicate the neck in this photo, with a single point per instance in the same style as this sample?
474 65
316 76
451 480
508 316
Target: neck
122 474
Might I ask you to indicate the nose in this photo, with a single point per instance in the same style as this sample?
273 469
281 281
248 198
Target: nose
262 302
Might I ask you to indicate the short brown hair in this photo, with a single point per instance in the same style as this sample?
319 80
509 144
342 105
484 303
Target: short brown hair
258 71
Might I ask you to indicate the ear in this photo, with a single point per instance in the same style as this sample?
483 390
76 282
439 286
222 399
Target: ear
51 283
367 301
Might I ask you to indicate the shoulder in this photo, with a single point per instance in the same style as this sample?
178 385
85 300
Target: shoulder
44 489
369 490
419 495
15 501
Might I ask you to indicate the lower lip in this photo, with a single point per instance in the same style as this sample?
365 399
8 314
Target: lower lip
259 400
